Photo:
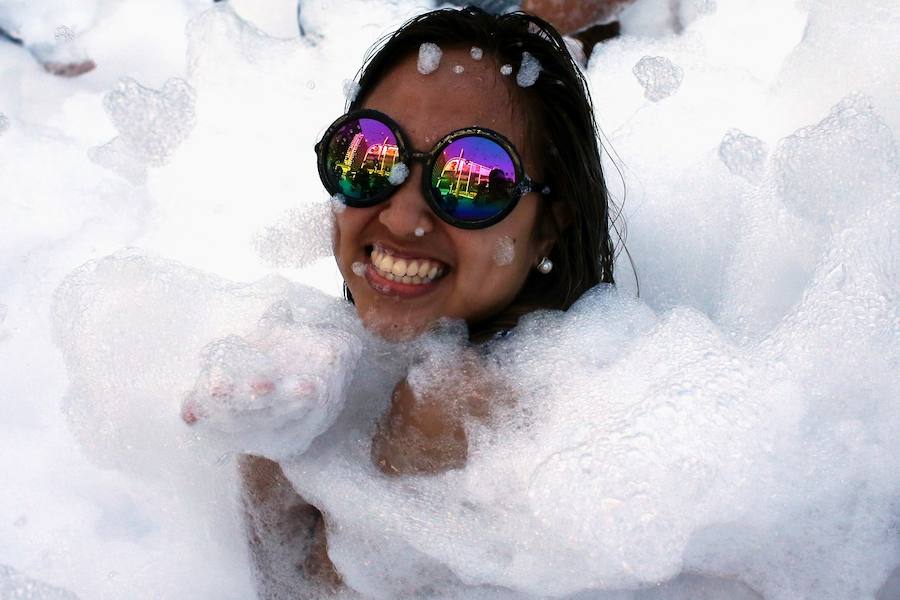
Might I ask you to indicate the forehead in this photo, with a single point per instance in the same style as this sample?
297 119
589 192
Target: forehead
428 107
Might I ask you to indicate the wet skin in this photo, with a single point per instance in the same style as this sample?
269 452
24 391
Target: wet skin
474 286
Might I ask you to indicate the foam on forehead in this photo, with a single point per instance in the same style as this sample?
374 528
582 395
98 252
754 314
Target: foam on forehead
428 106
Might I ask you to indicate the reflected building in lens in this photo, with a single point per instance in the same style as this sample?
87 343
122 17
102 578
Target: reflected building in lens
468 179
380 158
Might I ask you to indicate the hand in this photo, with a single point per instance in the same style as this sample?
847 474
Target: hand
273 392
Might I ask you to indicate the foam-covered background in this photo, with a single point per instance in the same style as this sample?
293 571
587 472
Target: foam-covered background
733 433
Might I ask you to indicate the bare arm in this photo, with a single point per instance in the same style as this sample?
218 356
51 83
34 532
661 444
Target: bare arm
286 534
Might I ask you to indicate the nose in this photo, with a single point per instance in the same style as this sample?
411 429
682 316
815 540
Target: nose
405 213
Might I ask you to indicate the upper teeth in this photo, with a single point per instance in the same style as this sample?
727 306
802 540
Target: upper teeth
404 270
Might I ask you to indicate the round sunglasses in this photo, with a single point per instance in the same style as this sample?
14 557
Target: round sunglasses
473 177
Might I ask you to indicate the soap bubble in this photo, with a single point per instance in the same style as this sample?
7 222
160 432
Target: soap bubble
338 203
399 173
152 122
120 156
659 76
64 34
529 71
429 58
299 237
744 155
151 125
839 166
504 251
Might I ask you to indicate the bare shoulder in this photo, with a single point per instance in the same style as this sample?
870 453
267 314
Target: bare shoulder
423 430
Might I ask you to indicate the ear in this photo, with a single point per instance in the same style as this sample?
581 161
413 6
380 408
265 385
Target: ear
554 222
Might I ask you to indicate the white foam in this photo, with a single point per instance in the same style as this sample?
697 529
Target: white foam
659 76
338 203
506 70
732 434
399 173
744 155
299 236
529 71
476 53
504 251
270 393
151 125
429 58
14 584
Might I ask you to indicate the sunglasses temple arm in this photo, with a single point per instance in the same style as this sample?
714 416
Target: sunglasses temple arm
530 185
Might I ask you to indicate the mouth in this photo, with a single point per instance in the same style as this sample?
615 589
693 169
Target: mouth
397 274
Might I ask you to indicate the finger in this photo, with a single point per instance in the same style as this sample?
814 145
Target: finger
190 413
262 387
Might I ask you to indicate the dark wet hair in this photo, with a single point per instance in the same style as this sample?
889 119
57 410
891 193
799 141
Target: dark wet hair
563 135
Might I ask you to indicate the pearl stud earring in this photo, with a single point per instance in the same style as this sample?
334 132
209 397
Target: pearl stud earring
545 266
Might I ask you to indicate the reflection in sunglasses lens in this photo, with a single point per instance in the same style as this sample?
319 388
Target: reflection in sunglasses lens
474 177
360 156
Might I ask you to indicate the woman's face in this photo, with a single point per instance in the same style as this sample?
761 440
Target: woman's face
479 271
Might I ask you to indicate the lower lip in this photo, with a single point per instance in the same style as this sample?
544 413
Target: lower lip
386 287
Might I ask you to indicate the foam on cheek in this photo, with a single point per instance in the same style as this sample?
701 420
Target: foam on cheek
429 58
504 251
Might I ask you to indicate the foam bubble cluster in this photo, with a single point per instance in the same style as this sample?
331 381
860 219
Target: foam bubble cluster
429 58
4 123
846 162
399 173
659 76
299 236
743 154
151 125
504 251
529 70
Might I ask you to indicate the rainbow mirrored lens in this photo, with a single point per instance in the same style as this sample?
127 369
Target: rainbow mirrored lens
474 177
359 158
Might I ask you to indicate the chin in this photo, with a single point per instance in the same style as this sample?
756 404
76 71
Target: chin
392 328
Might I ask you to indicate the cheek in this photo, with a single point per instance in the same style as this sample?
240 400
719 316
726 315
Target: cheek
499 267
335 237
348 225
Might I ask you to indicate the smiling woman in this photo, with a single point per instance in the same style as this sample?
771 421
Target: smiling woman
548 126
468 284
470 191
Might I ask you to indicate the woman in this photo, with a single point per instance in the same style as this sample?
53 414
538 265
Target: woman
454 96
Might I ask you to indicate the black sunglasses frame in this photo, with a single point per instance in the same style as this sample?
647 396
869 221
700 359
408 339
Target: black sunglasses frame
432 195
